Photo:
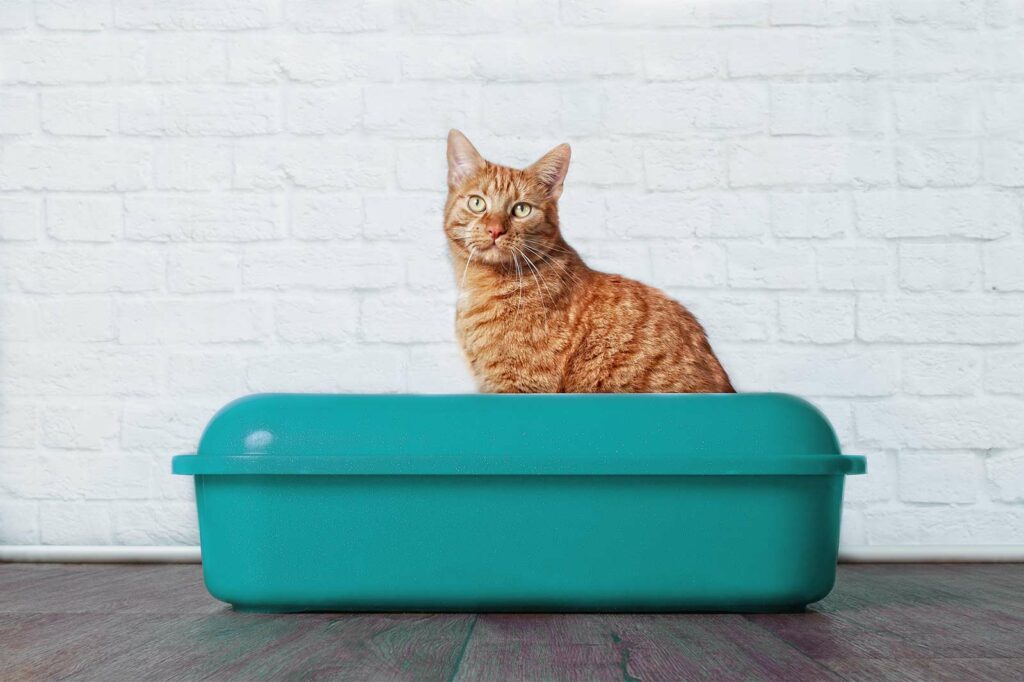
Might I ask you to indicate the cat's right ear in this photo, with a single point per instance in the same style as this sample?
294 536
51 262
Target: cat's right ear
463 159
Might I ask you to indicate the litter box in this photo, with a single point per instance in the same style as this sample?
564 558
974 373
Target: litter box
519 502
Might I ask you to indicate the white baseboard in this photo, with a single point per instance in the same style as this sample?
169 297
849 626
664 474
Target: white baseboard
121 554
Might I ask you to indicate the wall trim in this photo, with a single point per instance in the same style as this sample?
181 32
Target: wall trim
136 554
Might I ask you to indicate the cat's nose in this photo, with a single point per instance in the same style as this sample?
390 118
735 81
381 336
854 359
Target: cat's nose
495 230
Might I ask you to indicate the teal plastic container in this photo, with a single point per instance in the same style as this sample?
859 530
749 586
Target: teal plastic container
519 502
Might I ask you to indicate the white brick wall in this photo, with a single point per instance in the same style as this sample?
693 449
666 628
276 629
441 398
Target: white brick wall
204 199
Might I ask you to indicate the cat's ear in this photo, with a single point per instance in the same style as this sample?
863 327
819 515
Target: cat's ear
551 169
463 159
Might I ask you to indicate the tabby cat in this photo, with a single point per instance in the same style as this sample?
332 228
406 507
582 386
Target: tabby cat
533 318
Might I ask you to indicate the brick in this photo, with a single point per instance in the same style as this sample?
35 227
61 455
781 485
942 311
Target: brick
928 371
853 268
157 321
405 318
202 111
90 270
437 369
944 526
938 164
817 215
77 319
617 13
318 110
731 316
80 427
437 16
795 52
672 57
980 214
195 15
311 58
18 425
419 110
1002 108
808 12
585 213
145 523
15 14
940 319
937 52
93 165
17 113
515 108
182 164
46 370
583 109
819 371
1004 163
771 267
939 424
19 522
1004 372
80 112
61 60
19 218
630 259
75 523
580 56
826 109
947 477
1002 266
18 317
435 59
931 267
935 109
202 270
879 485
164 426
356 266
409 217
668 108
769 163
422 165
326 216
180 58
75 15
222 217
206 373
673 166
736 214
320 319
816 319
959 14
352 16
689 264
664 216
84 219
367 369
1006 475
312 164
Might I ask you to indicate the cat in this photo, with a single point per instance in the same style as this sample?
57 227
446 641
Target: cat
533 318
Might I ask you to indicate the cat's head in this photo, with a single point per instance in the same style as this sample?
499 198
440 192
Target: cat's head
501 214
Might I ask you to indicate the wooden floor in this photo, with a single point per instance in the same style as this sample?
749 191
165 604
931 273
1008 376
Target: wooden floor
900 622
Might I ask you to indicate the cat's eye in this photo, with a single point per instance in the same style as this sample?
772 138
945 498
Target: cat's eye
522 209
476 204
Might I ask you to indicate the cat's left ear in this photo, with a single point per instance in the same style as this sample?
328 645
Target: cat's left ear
551 169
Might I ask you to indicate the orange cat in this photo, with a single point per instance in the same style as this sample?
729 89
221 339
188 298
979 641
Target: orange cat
533 318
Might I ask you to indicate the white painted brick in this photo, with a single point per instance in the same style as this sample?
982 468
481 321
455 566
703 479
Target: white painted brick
731 317
1006 475
19 218
326 216
367 369
351 16
17 425
207 373
84 219
940 319
77 319
583 213
627 258
606 164
94 165
1003 53
310 59
961 14
935 109
674 166
80 426
826 109
944 526
947 477
420 110
81 270
438 16
580 56
421 165
19 521
202 111
61 60
877 485
615 13
174 321
182 164
222 217
808 12
818 371
689 264
309 320
768 163
75 523
195 14
668 108
928 52
980 214
15 14
1003 107
816 319
429 268
180 58
929 371
17 319
851 533
938 164
167 523
164 426
18 113
76 370
75 15
755 266
806 215
1004 163
439 369
202 270
736 214
663 216
311 163
940 424
318 109
79 112
931 267
517 108
434 59
796 52
1002 266
672 56
402 218
358 266
405 318
1004 372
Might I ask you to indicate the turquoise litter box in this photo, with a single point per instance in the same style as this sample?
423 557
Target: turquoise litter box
519 502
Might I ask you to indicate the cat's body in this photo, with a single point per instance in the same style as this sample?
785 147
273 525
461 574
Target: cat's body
533 318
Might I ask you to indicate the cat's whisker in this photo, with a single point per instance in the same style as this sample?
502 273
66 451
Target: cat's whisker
519 277
542 287
472 252
547 258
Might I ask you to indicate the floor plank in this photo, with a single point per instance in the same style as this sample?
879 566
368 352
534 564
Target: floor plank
153 622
